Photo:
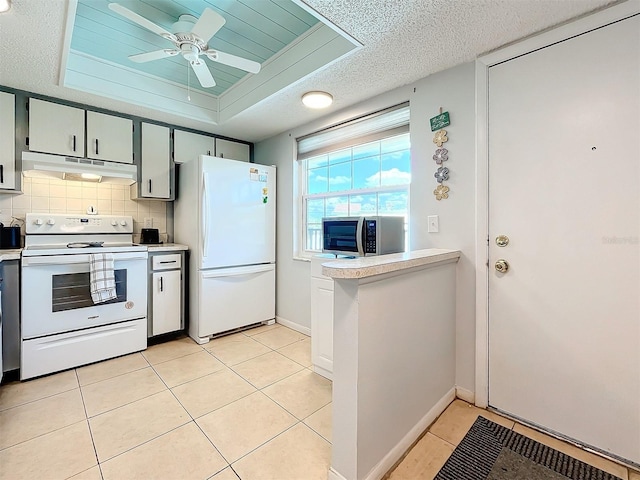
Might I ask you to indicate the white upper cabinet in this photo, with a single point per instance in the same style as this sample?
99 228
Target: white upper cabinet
188 146
232 150
55 128
155 166
109 138
7 141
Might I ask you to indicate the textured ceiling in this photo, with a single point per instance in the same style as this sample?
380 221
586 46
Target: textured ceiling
404 40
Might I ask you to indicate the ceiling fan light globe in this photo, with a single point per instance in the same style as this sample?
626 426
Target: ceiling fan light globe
184 24
317 99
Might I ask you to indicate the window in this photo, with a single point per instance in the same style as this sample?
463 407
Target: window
366 174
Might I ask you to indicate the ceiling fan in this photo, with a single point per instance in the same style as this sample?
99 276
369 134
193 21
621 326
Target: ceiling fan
189 36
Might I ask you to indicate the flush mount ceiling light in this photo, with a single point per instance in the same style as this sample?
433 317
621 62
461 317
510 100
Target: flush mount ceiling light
5 5
317 99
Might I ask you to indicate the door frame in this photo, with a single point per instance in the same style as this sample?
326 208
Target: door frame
558 34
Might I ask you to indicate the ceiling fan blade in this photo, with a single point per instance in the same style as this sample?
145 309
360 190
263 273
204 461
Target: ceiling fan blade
233 61
208 24
149 56
203 73
143 22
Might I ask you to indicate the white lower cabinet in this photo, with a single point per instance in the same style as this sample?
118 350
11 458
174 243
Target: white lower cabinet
166 302
321 319
166 293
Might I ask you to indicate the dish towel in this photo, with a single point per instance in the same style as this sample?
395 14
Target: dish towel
102 277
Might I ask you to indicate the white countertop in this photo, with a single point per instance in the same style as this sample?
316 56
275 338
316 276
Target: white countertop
166 247
362 267
10 254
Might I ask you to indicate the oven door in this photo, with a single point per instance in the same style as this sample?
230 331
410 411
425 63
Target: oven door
56 294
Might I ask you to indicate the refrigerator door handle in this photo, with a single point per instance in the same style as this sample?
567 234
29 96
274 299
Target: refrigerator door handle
237 271
205 224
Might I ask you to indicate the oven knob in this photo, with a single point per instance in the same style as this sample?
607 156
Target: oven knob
114 223
51 221
38 221
123 222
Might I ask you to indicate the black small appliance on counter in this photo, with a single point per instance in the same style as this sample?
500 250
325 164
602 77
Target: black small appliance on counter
10 237
149 236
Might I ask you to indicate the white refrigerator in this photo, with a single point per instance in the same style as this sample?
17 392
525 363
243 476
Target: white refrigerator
225 212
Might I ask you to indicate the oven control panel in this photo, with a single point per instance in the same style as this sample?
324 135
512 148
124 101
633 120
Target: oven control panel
63 223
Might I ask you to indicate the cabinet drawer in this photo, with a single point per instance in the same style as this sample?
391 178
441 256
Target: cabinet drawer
166 262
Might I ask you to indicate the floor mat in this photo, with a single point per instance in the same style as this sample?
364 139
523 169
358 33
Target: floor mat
492 452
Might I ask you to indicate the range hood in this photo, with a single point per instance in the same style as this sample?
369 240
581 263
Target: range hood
82 169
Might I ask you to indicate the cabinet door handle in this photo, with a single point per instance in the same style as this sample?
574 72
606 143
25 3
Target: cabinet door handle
74 143
97 147
149 185
168 261
161 286
1 173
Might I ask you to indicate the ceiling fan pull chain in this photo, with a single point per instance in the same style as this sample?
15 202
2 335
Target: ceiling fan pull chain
188 83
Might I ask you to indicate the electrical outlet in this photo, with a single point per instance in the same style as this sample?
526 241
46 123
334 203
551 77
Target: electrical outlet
432 223
148 223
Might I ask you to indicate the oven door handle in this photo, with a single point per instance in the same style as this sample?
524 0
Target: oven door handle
75 259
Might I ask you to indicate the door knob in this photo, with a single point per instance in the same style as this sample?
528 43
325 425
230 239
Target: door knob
502 240
502 266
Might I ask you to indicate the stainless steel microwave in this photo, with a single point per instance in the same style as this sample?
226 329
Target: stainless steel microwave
362 236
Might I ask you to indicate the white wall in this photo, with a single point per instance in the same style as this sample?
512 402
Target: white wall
453 90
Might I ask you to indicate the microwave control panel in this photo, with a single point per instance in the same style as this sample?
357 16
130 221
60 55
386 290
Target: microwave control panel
370 237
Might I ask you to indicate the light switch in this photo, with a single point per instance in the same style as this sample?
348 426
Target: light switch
432 221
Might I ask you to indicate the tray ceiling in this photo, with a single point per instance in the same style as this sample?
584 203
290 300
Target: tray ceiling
283 36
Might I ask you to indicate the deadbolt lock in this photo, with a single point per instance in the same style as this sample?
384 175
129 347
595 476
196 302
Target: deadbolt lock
502 240
502 266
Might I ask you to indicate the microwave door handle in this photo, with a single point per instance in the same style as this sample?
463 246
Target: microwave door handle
360 236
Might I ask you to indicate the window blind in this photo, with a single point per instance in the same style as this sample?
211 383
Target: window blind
369 128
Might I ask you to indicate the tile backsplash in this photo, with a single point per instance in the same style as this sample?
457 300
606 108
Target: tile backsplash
50 195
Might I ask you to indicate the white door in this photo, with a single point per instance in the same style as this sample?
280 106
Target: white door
155 167
55 128
189 146
7 141
109 137
166 296
238 209
232 150
236 297
564 183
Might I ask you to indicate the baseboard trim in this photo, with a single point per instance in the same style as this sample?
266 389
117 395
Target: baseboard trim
293 326
333 475
396 453
466 395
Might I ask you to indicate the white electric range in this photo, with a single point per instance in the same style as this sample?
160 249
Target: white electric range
61 326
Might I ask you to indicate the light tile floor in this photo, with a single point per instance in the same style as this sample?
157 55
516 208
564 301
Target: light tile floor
242 406
245 406
431 452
